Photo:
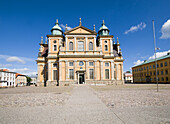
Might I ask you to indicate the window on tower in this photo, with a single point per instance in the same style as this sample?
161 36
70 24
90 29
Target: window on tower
106 48
55 47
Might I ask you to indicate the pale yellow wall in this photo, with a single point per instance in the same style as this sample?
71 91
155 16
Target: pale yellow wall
80 30
21 79
51 42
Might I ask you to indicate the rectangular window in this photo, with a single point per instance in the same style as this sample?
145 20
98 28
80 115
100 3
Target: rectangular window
80 46
90 63
107 64
157 72
106 48
91 73
165 63
150 73
70 63
166 78
161 64
71 73
162 72
55 75
106 73
157 65
153 66
55 47
166 71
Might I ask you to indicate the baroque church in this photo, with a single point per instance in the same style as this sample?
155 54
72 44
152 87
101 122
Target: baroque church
79 56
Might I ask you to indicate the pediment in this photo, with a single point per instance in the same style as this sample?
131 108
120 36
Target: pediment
80 30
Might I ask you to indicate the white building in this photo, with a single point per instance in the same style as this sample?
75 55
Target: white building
128 77
7 79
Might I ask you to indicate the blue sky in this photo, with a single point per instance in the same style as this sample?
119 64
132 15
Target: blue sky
22 23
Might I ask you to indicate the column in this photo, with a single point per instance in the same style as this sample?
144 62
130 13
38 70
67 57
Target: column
95 69
94 45
86 46
66 43
43 73
38 69
75 43
112 70
75 66
122 71
60 70
117 73
66 69
87 71
111 47
49 71
101 70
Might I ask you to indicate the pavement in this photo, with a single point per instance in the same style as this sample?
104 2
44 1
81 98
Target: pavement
84 107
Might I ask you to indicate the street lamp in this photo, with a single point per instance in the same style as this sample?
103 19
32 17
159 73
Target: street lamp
155 54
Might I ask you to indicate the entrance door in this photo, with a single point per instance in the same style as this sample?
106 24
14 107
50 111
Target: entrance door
81 78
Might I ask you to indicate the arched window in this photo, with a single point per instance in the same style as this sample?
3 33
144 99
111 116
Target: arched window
90 46
106 48
71 46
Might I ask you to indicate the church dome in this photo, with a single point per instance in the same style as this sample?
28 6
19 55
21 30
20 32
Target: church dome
56 30
103 30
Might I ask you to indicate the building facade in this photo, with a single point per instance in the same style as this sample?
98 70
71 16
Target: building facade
128 77
146 72
7 78
79 56
21 80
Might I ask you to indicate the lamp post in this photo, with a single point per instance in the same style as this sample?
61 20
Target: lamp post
155 54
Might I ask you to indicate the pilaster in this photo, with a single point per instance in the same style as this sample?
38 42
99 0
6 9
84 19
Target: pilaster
101 70
112 70
87 71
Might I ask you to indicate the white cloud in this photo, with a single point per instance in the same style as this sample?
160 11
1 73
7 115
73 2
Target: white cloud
140 26
15 59
5 65
138 62
64 27
165 30
159 54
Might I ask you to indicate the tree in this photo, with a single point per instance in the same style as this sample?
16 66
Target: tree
28 80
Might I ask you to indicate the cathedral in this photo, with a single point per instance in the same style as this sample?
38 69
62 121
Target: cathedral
79 56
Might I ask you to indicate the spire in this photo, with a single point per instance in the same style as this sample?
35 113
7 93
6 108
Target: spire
66 27
94 28
80 22
46 40
103 22
56 21
117 40
41 39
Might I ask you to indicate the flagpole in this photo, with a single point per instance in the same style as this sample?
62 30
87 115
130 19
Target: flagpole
155 54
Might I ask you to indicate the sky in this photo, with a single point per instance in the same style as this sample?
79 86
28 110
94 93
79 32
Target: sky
23 22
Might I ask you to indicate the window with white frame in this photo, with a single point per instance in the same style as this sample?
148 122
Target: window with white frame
106 73
71 74
106 64
90 46
70 63
91 63
71 46
91 73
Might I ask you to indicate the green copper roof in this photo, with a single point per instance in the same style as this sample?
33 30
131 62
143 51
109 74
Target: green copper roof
57 26
103 27
153 60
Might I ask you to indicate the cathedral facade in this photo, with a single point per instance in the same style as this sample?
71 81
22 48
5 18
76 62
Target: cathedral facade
79 56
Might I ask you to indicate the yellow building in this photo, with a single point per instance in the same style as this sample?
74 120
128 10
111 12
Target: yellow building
79 56
146 72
